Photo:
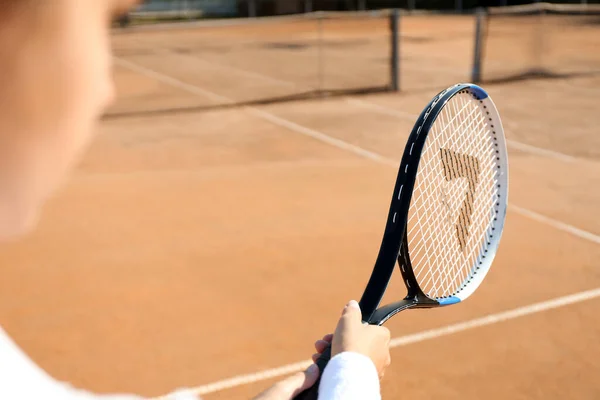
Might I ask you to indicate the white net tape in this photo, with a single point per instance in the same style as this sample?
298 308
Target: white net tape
452 207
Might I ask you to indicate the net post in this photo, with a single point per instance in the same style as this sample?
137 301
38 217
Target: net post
395 56
477 54
321 71
187 9
308 7
252 8
362 5
458 6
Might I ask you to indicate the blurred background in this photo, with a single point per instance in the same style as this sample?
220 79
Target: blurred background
235 198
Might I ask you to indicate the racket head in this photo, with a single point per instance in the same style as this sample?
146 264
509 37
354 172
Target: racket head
449 204
459 194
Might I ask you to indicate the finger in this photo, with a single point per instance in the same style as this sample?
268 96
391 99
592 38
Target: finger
381 332
315 357
387 334
352 312
351 307
290 387
328 338
299 382
351 316
321 345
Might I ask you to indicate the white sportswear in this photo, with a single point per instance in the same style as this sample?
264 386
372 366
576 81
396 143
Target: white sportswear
348 376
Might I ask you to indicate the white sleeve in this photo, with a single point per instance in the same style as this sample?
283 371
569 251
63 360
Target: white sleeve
22 379
350 376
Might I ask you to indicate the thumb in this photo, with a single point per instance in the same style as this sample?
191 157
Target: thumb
352 311
349 321
310 378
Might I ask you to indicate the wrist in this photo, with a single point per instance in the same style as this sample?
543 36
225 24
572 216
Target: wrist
350 376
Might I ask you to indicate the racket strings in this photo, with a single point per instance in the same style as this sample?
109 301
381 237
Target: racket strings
467 213
471 214
464 167
431 218
453 197
433 280
436 280
427 175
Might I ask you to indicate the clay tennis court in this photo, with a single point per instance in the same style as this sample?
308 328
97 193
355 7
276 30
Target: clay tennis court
193 247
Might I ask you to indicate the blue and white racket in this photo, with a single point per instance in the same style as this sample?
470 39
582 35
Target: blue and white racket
447 211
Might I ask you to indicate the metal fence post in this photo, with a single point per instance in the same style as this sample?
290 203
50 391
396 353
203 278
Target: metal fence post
252 8
321 60
458 5
395 59
308 6
477 52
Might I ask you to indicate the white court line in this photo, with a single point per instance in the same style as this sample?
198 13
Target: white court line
340 144
557 224
394 113
198 91
487 320
247 73
527 148
383 110
258 75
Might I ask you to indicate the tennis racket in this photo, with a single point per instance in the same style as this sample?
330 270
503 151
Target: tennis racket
447 211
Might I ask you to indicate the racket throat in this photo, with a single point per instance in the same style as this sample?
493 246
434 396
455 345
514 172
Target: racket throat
381 315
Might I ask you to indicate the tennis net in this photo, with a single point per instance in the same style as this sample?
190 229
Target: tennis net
539 40
225 63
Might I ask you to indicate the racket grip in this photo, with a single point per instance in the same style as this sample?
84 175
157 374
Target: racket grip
312 393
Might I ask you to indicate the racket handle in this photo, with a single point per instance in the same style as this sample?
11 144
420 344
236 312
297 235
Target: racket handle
312 393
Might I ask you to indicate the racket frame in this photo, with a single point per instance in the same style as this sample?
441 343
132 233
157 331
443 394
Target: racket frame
394 245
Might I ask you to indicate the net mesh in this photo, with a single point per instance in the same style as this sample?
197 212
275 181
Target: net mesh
452 207
210 64
541 39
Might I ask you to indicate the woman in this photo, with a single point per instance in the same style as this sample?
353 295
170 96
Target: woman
55 82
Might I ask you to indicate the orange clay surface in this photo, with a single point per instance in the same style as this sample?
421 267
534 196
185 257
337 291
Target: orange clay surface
193 247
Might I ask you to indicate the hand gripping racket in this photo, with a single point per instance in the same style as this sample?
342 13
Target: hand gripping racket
447 211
